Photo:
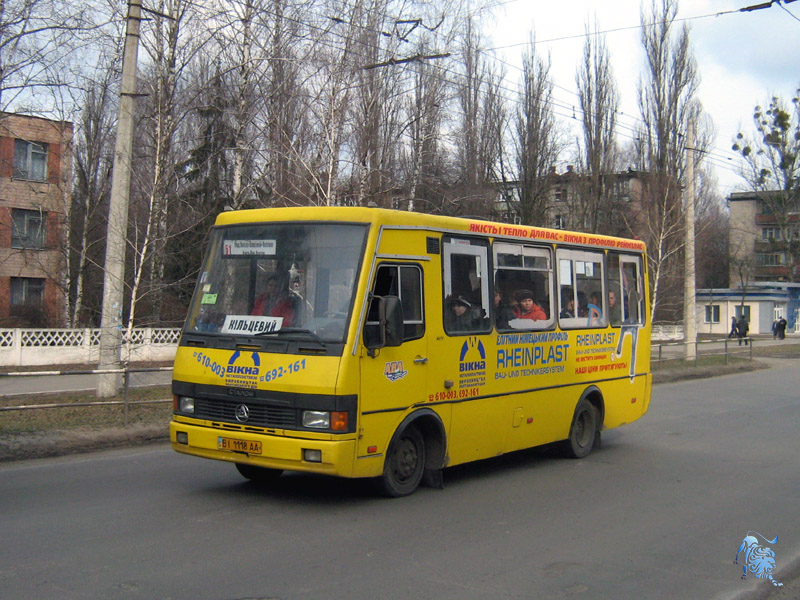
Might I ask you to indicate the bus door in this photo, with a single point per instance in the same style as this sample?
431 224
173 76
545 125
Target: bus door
466 352
393 377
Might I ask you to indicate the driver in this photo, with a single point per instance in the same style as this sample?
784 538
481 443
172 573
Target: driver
275 302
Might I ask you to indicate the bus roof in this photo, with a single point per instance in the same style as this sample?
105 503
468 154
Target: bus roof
398 218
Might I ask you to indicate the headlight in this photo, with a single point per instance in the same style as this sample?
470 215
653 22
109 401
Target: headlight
186 405
316 419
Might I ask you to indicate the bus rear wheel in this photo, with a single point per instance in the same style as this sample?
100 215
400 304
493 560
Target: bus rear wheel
258 474
405 464
582 432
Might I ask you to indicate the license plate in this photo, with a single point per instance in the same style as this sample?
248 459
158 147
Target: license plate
233 445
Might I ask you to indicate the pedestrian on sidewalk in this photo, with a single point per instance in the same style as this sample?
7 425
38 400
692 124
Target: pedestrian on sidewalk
741 330
781 328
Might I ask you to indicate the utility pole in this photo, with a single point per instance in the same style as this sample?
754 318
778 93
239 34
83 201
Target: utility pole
689 314
116 235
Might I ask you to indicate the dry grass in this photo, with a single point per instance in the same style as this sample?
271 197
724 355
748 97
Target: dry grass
39 432
86 417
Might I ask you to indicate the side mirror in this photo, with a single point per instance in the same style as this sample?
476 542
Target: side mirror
392 318
388 331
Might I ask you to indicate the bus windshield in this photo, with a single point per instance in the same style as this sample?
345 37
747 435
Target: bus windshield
278 279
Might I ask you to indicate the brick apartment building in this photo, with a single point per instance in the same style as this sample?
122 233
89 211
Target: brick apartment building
35 173
764 234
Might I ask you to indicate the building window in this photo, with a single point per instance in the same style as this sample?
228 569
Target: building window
511 217
769 260
770 233
28 229
622 190
27 292
712 313
559 222
30 160
561 194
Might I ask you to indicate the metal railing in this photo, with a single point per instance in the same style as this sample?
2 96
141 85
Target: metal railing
676 351
125 402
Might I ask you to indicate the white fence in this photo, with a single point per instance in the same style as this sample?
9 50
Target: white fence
38 347
665 332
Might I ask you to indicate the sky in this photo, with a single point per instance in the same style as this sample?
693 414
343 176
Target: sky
743 58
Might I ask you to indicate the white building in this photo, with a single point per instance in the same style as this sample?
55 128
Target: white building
762 303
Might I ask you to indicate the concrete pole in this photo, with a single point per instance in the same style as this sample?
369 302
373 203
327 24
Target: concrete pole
116 235
689 310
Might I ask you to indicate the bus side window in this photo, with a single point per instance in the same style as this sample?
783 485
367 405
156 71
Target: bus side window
631 289
615 295
581 289
405 282
523 284
466 287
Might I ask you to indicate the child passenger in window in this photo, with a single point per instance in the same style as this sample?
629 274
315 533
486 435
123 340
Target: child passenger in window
528 309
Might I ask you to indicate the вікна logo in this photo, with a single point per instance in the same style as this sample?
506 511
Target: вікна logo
758 559
473 355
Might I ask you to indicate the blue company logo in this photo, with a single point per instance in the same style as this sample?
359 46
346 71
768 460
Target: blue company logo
758 559
234 369
471 346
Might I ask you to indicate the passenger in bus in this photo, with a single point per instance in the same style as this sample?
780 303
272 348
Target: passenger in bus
613 308
275 302
503 312
567 305
594 310
461 316
583 305
528 308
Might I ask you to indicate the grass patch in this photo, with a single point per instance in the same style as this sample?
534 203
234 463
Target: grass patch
702 361
88 418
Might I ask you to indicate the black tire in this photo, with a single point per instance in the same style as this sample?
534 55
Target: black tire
405 464
582 431
258 474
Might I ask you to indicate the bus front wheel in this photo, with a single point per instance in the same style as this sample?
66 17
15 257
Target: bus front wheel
582 433
258 474
405 464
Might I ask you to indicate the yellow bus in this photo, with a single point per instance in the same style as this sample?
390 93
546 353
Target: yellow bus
363 342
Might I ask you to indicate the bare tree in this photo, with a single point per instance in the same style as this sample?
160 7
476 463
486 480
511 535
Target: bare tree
667 91
537 142
37 38
713 228
772 169
595 206
93 159
479 134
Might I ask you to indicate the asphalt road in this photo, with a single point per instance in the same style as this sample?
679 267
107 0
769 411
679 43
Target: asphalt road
658 512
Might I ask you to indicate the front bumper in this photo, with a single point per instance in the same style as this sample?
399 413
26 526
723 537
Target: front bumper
280 450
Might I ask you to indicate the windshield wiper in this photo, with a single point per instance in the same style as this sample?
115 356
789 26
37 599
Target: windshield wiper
307 332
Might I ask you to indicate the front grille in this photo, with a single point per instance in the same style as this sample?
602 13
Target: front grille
260 415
